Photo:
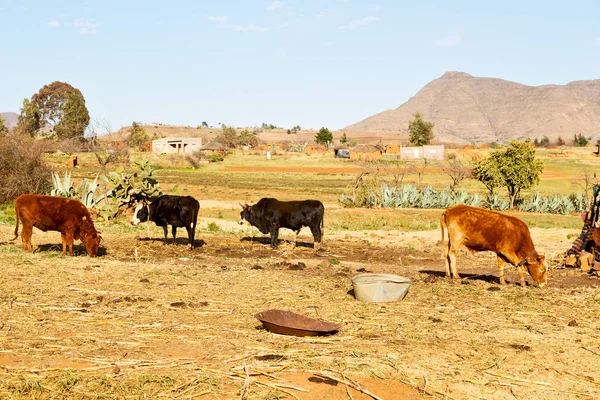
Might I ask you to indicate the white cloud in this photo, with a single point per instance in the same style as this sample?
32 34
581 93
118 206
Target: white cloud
274 5
220 18
86 26
248 28
357 23
449 41
376 8
326 14
222 21
54 24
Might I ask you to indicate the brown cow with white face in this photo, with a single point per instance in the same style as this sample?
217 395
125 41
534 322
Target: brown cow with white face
52 213
483 230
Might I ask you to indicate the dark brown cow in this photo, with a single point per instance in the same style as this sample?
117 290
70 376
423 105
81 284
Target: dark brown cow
51 213
484 230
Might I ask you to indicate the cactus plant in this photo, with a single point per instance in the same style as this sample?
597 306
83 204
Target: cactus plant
129 188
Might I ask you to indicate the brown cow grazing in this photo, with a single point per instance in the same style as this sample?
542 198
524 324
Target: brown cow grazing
52 213
484 230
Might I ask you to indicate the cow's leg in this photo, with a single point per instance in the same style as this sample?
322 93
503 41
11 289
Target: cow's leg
174 232
70 238
274 235
501 271
26 236
166 230
316 231
521 276
64 242
296 241
447 259
453 246
191 235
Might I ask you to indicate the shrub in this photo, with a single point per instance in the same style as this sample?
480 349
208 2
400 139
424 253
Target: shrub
21 168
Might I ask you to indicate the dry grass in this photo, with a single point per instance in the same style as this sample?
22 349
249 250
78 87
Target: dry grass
163 322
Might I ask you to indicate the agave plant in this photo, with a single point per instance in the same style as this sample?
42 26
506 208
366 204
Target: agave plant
495 202
87 193
62 187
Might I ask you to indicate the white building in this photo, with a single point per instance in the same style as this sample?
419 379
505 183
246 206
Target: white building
172 145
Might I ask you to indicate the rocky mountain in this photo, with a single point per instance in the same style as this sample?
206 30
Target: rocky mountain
10 118
468 109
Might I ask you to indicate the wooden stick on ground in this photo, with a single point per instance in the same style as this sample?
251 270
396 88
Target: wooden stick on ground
355 385
246 386
517 379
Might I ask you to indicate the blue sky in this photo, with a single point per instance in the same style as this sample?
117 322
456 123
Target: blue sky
312 63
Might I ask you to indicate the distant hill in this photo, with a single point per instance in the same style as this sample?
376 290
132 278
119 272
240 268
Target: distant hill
468 109
11 118
268 136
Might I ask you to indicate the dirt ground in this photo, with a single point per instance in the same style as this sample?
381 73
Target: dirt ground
145 320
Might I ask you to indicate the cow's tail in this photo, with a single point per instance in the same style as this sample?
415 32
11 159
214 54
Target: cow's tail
17 224
442 223
195 221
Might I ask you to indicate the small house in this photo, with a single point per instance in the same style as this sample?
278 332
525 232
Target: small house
411 153
213 148
341 152
365 152
392 149
315 149
171 145
433 152
428 152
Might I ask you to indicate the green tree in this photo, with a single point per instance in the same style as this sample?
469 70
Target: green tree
3 127
324 136
62 107
579 140
421 132
515 168
296 128
29 122
560 141
486 171
137 135
228 136
344 138
204 124
246 138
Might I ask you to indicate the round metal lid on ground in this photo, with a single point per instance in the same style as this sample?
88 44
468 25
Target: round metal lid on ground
289 323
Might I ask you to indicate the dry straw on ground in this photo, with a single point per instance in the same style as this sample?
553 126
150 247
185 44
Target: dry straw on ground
164 322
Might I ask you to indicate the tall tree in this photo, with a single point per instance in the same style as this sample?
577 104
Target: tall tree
3 127
29 119
515 168
62 107
228 136
421 132
137 135
324 136
344 138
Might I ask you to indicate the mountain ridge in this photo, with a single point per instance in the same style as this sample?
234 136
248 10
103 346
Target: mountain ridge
469 109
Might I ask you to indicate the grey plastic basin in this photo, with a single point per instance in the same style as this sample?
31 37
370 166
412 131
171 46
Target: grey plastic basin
378 288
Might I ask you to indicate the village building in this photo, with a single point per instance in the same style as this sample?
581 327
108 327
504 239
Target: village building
213 148
392 149
175 145
428 152
315 149
365 152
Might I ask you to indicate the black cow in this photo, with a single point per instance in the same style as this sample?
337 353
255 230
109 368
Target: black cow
268 215
177 211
